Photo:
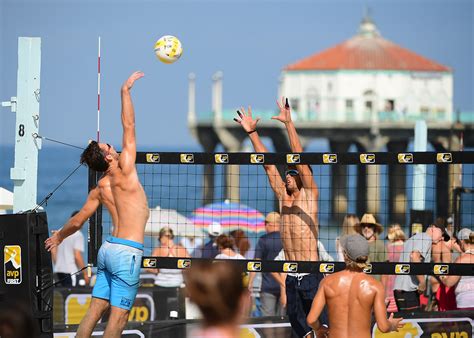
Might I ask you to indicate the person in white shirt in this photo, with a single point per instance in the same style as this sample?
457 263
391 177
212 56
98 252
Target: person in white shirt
226 244
67 259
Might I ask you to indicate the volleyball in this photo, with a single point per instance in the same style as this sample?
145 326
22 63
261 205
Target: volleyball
168 49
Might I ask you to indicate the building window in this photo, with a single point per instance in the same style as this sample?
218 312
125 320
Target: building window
349 110
389 105
295 104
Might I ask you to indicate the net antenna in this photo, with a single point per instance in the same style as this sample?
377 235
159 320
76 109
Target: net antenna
98 91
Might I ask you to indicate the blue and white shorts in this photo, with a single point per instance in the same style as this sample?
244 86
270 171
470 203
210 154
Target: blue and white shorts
118 272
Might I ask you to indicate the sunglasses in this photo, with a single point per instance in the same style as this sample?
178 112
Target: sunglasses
292 172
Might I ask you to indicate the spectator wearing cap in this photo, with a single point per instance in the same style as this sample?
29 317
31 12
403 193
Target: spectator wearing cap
417 249
209 249
370 229
268 247
464 284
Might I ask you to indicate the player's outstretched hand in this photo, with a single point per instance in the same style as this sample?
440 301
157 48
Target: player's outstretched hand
395 323
53 241
285 111
246 120
131 80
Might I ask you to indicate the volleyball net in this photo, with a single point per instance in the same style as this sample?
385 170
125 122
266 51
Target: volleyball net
201 194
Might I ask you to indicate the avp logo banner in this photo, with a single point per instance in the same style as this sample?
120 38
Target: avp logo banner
402 269
149 262
12 264
444 157
441 269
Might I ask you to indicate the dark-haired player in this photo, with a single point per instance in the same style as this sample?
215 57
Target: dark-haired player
119 258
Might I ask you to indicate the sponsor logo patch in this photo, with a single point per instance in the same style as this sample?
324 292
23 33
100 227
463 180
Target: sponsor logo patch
326 267
402 269
221 158
329 158
149 262
292 158
12 264
257 158
153 158
186 158
290 267
368 268
254 266
441 269
184 263
367 158
444 157
405 158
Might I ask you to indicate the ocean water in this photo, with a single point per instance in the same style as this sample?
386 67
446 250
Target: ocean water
180 187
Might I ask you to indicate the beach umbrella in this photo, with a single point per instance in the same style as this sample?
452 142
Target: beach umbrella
180 224
6 199
231 216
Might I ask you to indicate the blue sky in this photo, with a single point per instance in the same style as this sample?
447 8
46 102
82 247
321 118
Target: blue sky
250 41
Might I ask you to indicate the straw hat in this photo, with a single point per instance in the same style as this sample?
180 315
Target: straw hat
369 219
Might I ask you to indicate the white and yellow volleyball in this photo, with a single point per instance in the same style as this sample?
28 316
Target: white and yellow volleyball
168 49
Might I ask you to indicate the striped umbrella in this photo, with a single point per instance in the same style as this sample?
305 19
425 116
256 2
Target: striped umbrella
231 216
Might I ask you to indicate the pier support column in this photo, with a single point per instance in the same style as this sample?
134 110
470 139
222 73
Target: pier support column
208 140
339 199
232 178
448 177
397 199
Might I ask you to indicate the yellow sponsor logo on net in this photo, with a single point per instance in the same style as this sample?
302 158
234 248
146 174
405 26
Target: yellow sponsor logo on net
441 269
153 158
326 267
254 266
329 158
257 158
221 158
186 158
292 158
402 269
405 158
367 158
290 267
444 157
184 263
149 263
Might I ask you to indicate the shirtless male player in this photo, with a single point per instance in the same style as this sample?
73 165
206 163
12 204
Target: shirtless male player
119 258
351 295
298 199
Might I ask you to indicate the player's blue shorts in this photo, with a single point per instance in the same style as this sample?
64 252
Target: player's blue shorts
118 272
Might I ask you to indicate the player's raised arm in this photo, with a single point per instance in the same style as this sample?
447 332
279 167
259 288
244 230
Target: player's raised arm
129 145
249 124
285 117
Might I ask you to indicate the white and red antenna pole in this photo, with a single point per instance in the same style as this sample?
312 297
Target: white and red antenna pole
98 94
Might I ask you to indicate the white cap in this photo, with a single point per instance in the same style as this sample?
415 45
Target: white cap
214 229
464 234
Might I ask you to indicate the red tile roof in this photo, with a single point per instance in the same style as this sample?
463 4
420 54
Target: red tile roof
371 52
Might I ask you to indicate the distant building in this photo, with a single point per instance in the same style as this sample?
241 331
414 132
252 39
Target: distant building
368 78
